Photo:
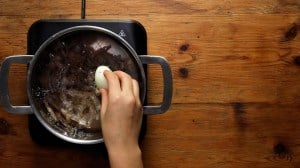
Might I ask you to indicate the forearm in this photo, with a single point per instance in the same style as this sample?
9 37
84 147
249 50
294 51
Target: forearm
125 157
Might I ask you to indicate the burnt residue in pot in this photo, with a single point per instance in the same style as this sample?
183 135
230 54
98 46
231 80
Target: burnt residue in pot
62 81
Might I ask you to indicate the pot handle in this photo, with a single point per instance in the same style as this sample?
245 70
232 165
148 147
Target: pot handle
21 59
168 84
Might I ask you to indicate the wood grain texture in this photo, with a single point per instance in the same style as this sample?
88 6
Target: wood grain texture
235 67
237 135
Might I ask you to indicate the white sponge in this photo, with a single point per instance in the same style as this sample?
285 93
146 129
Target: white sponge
100 79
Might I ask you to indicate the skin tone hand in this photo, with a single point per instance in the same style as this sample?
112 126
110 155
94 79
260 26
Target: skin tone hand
121 119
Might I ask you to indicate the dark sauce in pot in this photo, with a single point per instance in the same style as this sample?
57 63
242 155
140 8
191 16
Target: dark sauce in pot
62 81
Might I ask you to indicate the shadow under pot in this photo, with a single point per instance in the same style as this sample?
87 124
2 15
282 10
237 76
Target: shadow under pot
60 80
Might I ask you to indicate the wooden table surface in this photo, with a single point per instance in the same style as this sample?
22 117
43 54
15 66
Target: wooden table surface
235 67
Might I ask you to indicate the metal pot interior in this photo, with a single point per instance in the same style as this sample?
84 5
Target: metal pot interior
61 81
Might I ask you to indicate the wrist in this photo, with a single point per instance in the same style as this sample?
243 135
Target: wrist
125 156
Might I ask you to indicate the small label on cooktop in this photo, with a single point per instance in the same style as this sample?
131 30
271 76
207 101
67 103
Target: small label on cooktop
122 33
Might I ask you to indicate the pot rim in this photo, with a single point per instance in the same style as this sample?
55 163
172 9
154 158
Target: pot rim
59 34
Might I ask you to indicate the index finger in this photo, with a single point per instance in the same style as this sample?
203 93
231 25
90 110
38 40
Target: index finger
125 80
113 83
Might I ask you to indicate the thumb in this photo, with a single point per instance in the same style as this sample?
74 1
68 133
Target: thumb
104 101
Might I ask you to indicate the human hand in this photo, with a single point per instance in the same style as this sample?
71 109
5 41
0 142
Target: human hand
121 119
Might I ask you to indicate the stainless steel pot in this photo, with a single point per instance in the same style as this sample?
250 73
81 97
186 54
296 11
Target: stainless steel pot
111 42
